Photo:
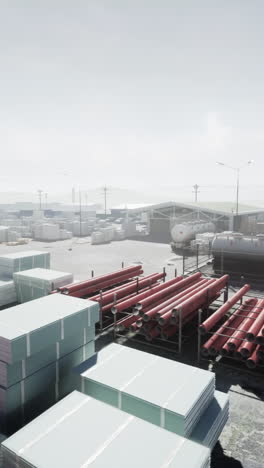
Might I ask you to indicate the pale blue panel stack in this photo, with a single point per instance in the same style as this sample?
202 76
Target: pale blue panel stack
80 432
39 282
20 261
41 341
7 293
2 439
177 397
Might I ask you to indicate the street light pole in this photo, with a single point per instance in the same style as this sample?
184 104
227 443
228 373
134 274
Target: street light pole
237 169
237 191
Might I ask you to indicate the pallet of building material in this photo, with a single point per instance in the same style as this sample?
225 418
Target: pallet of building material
28 328
39 282
208 429
117 439
20 261
7 293
2 438
11 374
164 392
17 401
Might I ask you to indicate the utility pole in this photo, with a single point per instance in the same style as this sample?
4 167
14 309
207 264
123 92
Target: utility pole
105 189
46 200
40 199
196 191
80 206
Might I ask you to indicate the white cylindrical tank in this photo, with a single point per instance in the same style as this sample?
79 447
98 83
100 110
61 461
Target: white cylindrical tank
236 246
185 232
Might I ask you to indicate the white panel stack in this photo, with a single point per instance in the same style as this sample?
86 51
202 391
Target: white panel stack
7 293
39 282
164 392
47 232
20 261
64 234
40 343
80 432
81 229
4 233
213 421
169 394
119 235
2 438
97 238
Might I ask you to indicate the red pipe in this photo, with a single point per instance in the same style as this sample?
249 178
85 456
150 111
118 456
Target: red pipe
152 334
235 341
260 352
133 327
94 281
124 290
215 342
131 302
92 289
253 361
148 312
170 290
161 309
245 349
168 331
126 322
197 300
257 325
209 323
166 317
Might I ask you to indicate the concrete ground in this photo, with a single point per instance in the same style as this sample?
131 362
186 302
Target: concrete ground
80 257
241 444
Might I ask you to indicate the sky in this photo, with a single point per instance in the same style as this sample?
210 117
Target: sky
140 95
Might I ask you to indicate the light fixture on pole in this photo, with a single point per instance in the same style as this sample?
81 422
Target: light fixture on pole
237 170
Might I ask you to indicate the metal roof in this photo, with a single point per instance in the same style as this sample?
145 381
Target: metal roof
225 208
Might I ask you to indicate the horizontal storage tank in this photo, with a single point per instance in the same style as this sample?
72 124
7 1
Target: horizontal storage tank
185 232
236 246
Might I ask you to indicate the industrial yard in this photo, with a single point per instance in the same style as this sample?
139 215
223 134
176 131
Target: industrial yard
131 234
240 444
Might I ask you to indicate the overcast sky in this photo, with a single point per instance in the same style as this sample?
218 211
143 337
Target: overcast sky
138 94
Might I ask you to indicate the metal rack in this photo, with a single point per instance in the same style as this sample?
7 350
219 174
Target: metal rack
235 362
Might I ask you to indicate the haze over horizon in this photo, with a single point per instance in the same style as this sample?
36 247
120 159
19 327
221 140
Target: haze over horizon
143 96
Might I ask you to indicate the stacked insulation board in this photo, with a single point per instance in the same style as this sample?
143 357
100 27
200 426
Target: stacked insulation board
80 432
41 341
20 261
39 282
164 392
212 422
2 438
7 293
169 394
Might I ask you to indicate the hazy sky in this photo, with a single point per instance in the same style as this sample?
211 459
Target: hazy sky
140 94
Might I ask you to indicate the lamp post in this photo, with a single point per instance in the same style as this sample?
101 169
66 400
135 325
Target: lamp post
237 170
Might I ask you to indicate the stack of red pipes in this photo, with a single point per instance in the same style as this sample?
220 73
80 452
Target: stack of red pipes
88 287
157 311
241 336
